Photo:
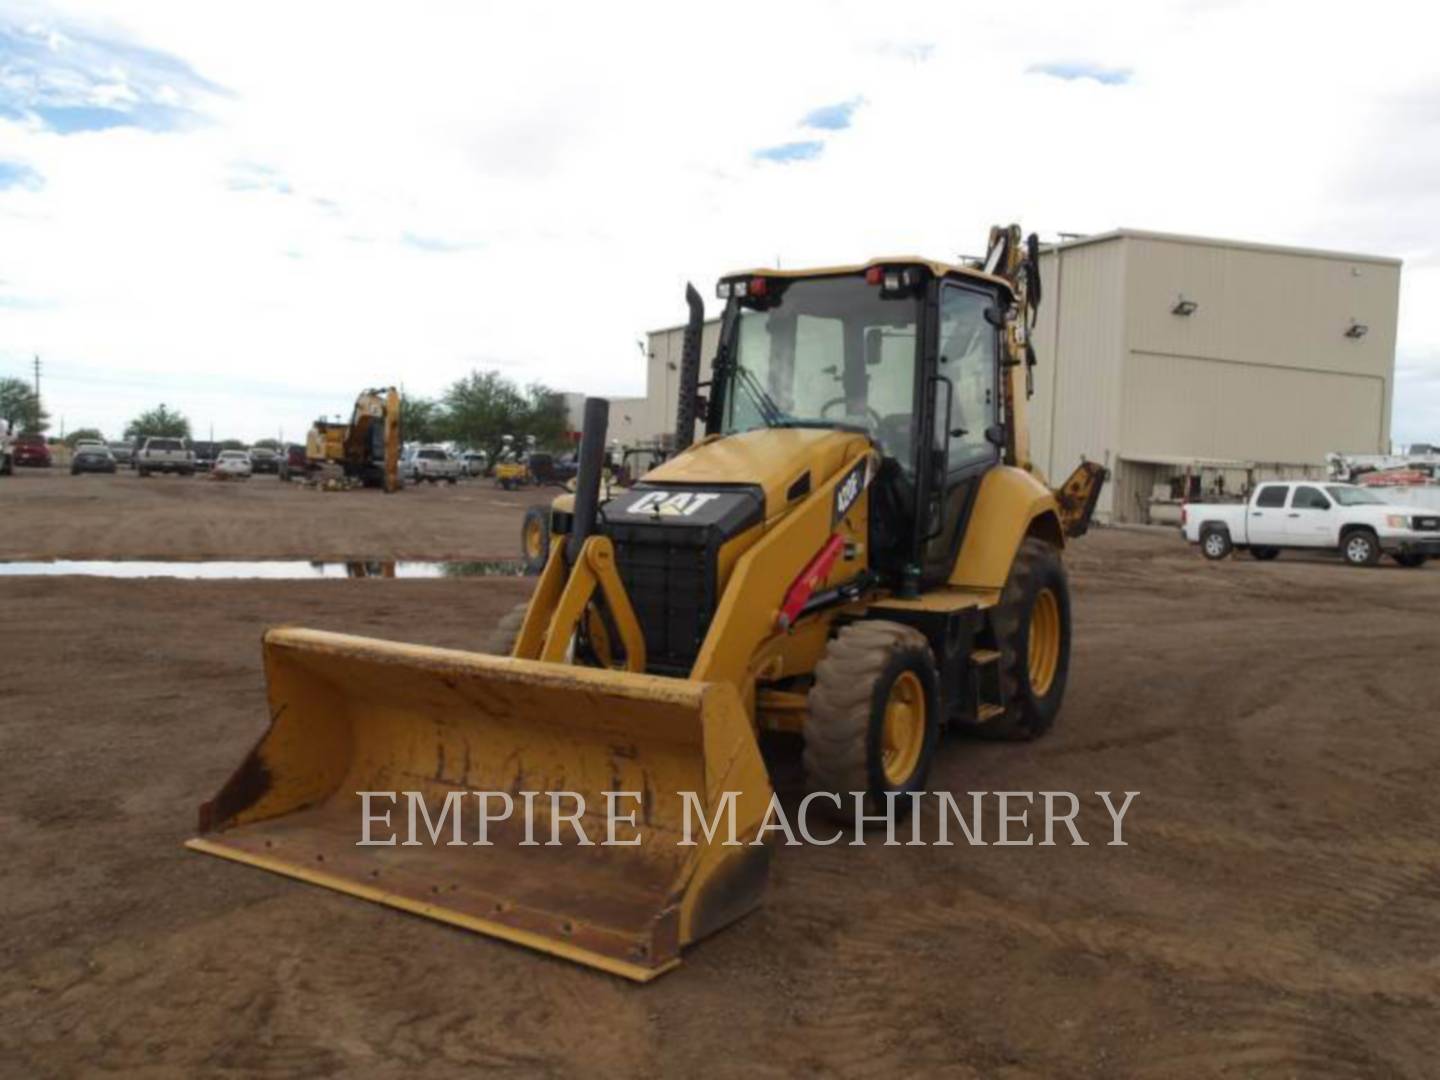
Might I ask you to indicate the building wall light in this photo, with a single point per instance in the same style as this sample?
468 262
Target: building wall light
1184 307
1357 330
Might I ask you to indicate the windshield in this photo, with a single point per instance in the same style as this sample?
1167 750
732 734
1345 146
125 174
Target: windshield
825 352
1353 496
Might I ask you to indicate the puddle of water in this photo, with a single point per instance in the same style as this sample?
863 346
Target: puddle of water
268 569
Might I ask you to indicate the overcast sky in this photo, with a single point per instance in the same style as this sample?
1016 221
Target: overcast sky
252 211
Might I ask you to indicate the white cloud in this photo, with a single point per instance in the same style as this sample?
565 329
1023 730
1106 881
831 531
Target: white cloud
399 194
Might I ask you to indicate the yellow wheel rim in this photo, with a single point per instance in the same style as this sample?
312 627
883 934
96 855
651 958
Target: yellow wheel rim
532 539
904 735
1044 642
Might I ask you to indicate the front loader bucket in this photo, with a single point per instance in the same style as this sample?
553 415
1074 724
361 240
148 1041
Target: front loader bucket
351 715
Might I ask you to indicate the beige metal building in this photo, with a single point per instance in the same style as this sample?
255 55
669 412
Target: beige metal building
1158 353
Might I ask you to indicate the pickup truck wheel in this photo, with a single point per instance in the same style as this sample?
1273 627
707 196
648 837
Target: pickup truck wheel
1215 543
1360 548
1264 554
450 479
1409 559
144 474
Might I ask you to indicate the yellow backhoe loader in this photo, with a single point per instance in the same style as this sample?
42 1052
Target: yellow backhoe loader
857 550
366 449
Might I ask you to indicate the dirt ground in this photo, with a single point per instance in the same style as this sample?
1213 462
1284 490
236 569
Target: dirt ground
49 514
1276 913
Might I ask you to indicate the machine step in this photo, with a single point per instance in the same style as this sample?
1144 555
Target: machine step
986 712
980 657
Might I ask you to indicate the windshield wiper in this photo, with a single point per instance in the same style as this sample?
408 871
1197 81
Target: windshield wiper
770 412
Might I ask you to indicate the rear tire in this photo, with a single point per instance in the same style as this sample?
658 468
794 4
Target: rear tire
1215 544
501 641
1032 632
535 539
1360 547
873 721
1264 554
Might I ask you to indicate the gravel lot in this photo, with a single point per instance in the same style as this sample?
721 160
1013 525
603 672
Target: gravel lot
1276 913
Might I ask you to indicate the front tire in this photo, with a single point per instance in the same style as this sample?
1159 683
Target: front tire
873 721
535 539
1264 554
1215 544
1032 632
1360 547
501 641
1409 559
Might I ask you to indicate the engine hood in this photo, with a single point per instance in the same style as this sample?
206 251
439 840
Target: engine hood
784 463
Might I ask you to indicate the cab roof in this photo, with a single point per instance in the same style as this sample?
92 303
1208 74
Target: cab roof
938 269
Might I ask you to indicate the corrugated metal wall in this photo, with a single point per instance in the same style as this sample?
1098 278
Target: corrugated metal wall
1262 370
1079 347
662 378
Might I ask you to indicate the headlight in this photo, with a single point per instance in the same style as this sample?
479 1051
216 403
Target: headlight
1397 521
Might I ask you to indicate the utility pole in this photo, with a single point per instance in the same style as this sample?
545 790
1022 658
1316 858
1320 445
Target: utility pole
37 378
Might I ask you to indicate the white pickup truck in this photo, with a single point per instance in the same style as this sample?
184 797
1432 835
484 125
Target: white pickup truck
432 463
165 455
1321 516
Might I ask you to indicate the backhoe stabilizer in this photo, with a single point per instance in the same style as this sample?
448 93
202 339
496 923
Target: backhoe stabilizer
426 729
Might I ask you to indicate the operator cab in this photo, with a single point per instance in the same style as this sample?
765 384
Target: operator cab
905 351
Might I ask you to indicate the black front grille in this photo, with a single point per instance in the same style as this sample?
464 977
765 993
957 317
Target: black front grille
669 573
1427 524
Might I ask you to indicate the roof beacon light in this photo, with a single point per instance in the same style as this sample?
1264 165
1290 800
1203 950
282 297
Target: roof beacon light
874 275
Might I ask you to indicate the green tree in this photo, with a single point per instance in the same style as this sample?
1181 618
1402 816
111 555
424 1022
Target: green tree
162 421
93 434
20 406
231 444
268 444
421 419
480 409
545 416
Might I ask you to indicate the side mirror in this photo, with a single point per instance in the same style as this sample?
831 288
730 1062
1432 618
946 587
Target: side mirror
995 316
995 435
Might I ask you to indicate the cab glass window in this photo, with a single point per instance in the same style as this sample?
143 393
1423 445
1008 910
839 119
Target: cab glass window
967 357
1309 498
1272 495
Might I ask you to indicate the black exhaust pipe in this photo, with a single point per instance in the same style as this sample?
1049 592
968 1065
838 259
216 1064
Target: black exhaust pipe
588 475
689 370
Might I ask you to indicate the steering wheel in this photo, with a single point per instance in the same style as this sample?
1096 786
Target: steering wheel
873 416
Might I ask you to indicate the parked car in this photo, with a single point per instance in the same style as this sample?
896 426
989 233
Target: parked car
292 462
475 462
433 464
123 453
32 451
92 457
234 463
1352 520
165 455
263 459
205 454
